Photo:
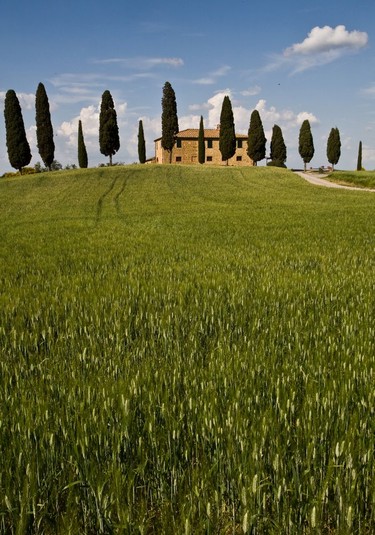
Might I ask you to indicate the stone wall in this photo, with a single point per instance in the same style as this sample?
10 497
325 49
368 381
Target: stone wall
185 151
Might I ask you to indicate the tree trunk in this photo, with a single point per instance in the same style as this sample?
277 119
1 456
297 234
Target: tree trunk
110 159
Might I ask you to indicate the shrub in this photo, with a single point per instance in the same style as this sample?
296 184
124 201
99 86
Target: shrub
28 171
276 163
25 171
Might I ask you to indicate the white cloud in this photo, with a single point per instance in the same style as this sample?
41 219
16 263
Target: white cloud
288 118
151 127
121 109
326 40
368 155
26 100
214 107
189 121
31 138
90 125
305 115
67 132
197 107
241 119
321 46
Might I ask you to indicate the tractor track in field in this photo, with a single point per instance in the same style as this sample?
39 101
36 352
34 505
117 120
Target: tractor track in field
111 196
116 200
99 204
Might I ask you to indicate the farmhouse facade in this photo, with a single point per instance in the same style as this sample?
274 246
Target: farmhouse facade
185 150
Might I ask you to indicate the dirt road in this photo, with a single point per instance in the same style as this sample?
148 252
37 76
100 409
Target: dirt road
318 180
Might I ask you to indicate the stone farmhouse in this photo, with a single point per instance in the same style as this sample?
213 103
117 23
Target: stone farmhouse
185 150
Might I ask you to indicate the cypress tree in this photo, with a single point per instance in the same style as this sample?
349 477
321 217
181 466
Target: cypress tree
18 147
169 119
305 143
201 146
82 152
44 130
141 143
109 140
359 160
334 147
256 140
278 147
227 139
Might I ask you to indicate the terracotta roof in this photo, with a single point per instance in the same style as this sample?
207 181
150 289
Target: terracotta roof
209 133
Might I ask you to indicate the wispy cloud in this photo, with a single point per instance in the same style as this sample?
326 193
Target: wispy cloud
93 79
142 62
322 45
205 80
153 27
213 76
221 71
251 91
368 154
72 88
369 91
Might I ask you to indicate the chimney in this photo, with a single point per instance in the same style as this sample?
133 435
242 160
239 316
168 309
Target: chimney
218 126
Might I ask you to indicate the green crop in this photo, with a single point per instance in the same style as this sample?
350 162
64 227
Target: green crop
186 350
363 179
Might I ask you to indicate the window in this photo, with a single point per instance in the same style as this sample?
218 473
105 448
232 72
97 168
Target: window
239 158
178 159
209 144
239 143
209 158
178 143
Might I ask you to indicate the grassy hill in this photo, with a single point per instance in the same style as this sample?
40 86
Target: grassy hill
364 179
185 350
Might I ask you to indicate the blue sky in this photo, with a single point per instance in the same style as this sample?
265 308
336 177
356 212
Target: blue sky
291 60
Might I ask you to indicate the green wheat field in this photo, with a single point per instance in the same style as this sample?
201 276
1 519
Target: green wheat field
186 351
